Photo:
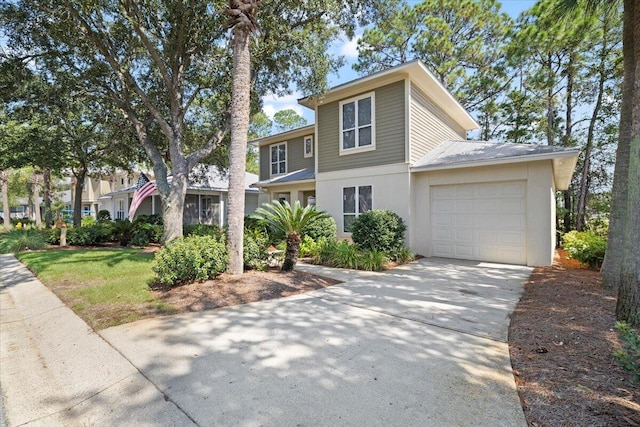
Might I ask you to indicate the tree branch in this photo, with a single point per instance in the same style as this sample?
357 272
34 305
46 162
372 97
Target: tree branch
124 76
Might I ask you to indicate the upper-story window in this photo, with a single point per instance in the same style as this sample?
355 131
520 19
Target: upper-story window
278 158
357 124
308 146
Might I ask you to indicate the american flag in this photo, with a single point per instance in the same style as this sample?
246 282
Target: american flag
144 188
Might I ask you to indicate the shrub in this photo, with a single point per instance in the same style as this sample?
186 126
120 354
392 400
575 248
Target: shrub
189 259
52 235
203 230
372 261
252 223
402 255
378 230
104 215
87 221
585 247
78 236
144 233
123 231
255 252
324 226
92 235
20 240
140 238
148 219
629 355
344 255
308 247
325 250
24 221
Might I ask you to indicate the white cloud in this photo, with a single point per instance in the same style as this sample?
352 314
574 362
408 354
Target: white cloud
292 98
349 48
270 108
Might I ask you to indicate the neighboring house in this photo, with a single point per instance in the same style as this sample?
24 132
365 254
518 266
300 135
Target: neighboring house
397 140
95 188
205 202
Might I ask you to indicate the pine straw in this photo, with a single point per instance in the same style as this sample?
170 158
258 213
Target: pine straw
561 341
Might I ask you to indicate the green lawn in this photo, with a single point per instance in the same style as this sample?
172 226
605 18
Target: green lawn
106 287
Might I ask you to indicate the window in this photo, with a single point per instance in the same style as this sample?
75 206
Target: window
120 214
355 200
308 146
357 130
278 158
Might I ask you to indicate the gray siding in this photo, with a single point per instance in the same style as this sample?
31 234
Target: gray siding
429 125
295 157
390 135
265 162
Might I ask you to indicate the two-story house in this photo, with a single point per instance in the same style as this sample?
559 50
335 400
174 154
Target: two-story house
397 140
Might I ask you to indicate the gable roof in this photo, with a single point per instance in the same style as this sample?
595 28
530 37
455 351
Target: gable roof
419 75
460 154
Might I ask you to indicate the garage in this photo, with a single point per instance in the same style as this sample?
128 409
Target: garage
480 221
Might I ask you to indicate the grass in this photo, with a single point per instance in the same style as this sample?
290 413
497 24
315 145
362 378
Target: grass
104 287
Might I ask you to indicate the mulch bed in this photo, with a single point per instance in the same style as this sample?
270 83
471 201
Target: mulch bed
252 286
561 341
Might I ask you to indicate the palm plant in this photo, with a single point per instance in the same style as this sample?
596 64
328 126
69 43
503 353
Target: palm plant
285 219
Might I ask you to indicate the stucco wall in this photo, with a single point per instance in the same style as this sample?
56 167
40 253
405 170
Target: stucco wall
390 187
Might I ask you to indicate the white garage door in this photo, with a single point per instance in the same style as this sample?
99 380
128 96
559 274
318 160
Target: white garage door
485 222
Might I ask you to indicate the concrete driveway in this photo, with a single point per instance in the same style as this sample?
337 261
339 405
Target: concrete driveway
420 345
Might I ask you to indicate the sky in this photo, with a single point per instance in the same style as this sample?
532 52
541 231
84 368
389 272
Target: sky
348 49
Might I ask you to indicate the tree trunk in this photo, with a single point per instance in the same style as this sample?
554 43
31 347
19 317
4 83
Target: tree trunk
291 254
612 264
568 205
36 202
628 307
4 177
550 108
586 172
567 217
173 205
77 199
240 109
48 217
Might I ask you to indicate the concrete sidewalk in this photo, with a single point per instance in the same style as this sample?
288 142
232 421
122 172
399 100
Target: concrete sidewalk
54 370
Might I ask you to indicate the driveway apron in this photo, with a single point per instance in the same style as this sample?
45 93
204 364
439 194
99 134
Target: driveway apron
419 345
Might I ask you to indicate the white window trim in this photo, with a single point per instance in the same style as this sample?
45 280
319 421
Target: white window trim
356 149
357 204
286 159
304 146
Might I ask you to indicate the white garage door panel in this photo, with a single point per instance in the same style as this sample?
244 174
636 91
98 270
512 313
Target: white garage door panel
480 221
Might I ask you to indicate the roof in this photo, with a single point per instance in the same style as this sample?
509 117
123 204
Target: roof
308 174
205 178
459 154
293 133
417 73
